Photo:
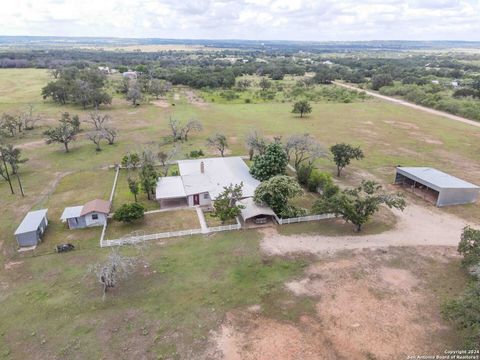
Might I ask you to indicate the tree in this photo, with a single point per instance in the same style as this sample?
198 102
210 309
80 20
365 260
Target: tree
218 142
109 134
148 174
380 80
469 246
265 84
134 94
133 186
98 120
359 204
130 161
181 131
28 118
255 143
303 148
276 193
324 75
96 137
14 158
159 87
64 133
343 154
271 163
4 170
130 212
74 121
302 107
225 205
115 268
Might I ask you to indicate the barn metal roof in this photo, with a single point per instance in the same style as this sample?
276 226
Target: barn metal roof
434 178
31 221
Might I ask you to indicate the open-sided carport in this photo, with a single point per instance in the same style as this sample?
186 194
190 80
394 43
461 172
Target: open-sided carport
439 187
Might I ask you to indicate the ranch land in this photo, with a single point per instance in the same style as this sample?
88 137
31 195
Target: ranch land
311 290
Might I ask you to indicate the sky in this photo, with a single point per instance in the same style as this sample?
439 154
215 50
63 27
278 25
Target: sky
329 20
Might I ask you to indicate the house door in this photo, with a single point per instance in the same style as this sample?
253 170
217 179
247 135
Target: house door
196 199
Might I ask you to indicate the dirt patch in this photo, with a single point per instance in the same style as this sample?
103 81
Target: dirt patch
161 103
401 125
366 308
195 100
32 144
12 264
398 278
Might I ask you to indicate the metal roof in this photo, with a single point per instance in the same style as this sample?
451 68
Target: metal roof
218 173
251 209
434 178
170 187
31 221
71 212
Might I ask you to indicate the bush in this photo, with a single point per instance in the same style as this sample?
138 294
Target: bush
469 246
129 212
303 174
196 154
319 181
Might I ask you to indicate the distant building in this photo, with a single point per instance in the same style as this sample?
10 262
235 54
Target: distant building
454 83
130 74
104 69
436 82
93 213
327 62
31 229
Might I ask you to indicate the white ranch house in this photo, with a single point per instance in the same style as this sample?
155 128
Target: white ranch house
202 180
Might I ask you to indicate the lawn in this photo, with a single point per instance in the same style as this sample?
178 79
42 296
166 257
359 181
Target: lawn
166 310
153 223
215 221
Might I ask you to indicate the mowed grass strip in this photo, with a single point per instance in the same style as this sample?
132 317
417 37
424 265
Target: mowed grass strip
154 223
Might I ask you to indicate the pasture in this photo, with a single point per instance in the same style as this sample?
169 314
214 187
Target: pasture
50 307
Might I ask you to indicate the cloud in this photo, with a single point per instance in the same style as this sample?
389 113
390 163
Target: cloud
248 19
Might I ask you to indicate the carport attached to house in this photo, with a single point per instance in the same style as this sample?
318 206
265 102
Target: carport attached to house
440 188
170 192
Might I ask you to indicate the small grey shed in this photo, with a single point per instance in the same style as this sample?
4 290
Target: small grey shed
32 228
441 188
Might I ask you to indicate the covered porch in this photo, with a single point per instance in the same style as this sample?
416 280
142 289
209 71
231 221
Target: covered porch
170 193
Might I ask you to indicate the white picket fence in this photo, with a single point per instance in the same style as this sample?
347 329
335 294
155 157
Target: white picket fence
142 238
305 218
236 226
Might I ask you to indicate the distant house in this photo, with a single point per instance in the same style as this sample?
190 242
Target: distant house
436 82
93 213
454 83
436 186
130 74
31 229
202 180
104 69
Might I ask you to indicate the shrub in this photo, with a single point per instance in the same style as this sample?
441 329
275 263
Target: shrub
303 174
319 180
196 154
469 246
129 212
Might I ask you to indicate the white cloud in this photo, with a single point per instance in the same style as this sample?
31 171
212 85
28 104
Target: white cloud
249 19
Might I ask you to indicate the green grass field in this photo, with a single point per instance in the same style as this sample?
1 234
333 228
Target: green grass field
50 308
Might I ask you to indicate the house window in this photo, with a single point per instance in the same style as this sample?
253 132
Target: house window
205 196
94 216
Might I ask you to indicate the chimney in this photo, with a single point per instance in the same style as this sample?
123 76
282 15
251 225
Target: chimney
202 167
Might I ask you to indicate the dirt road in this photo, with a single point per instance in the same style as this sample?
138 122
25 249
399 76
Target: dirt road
417 225
413 106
